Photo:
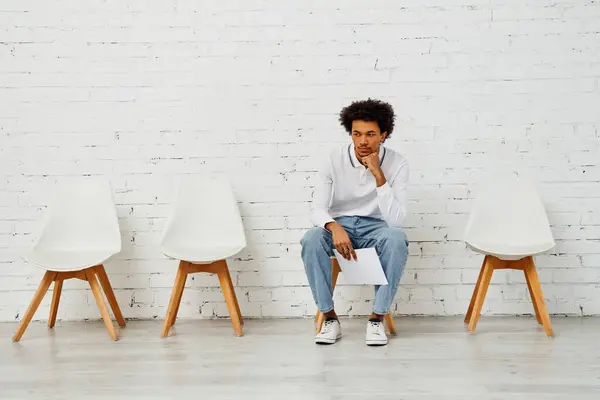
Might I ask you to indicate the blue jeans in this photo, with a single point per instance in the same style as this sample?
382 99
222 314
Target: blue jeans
391 246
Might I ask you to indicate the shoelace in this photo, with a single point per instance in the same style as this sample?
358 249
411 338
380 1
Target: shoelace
376 326
327 326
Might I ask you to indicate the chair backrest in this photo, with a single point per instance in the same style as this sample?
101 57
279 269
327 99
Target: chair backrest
205 212
508 215
82 216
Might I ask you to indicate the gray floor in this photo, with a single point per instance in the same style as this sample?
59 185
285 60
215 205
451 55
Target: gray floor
431 358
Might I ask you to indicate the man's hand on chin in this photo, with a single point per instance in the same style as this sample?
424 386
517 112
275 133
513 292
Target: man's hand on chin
372 162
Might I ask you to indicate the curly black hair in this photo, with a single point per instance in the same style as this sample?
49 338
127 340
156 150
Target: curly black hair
369 110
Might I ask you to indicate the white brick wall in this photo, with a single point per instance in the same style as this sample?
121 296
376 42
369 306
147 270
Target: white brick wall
141 91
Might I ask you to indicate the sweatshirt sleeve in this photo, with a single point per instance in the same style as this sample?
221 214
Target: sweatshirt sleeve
392 197
319 211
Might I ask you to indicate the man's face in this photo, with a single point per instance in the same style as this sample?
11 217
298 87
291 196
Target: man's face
367 137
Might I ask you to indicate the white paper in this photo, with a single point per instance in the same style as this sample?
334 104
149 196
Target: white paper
366 270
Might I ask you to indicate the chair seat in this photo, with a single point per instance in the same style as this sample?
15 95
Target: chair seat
510 251
69 260
205 254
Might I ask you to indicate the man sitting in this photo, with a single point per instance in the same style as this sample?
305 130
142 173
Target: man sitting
359 202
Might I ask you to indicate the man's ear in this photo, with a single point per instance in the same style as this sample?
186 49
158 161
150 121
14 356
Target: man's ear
384 134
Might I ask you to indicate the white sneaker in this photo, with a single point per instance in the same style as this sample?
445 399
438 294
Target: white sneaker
331 331
376 333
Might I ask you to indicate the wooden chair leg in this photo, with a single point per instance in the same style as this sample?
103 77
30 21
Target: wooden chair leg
389 322
230 298
475 291
56 291
110 295
35 303
178 301
237 305
320 320
488 270
91 278
335 271
175 296
533 299
538 296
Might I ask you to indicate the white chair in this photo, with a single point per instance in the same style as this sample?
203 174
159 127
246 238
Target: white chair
79 234
204 229
509 225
